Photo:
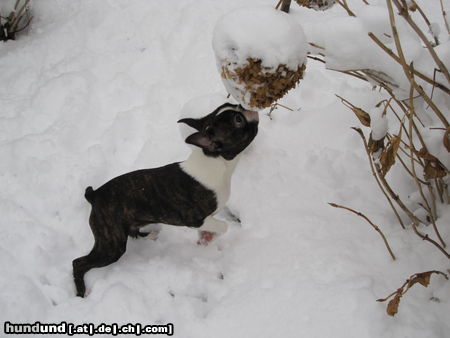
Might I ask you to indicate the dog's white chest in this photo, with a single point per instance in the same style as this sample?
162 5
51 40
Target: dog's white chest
213 173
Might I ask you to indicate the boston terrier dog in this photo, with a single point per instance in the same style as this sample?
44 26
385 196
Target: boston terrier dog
185 193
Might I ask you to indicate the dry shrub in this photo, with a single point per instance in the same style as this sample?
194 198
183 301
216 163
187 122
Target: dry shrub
407 149
261 86
316 4
18 20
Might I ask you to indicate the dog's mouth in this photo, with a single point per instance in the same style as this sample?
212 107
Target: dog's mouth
250 115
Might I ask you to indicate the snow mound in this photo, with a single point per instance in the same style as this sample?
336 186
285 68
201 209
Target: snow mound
270 35
261 39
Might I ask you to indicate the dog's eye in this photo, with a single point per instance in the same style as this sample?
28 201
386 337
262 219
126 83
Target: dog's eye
209 131
238 120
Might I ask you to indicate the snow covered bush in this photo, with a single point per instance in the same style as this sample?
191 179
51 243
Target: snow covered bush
395 47
18 20
260 53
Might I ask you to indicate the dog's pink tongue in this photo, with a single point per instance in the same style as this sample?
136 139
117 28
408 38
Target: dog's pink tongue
206 237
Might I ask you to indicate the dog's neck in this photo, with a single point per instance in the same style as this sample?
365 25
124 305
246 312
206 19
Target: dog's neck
213 172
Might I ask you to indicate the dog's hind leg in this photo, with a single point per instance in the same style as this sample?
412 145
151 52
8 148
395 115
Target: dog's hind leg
109 246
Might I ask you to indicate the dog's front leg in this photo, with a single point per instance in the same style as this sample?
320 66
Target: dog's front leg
210 229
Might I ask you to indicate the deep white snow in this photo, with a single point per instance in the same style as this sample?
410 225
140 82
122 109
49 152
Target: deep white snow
95 89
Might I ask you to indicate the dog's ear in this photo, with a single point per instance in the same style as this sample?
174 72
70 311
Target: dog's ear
197 124
201 141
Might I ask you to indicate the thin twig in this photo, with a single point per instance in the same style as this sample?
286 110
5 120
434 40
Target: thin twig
422 13
406 68
434 79
444 14
417 160
18 17
275 106
433 205
398 117
408 170
359 131
428 239
447 194
345 6
348 72
370 222
316 45
411 122
439 189
285 107
416 72
24 26
407 17
353 73
278 5
315 58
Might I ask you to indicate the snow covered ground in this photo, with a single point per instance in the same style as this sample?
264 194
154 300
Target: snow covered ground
95 89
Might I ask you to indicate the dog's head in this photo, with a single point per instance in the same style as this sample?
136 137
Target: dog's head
225 132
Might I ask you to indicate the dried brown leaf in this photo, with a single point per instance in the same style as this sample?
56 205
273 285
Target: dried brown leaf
423 153
260 86
387 158
434 169
392 307
422 278
362 116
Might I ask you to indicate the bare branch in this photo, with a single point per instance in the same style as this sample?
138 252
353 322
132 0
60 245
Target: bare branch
344 5
444 15
406 68
411 122
405 14
279 4
370 222
427 22
397 59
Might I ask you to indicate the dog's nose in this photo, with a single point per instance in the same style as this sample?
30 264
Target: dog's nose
251 115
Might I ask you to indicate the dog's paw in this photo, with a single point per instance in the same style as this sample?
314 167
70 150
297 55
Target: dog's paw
205 237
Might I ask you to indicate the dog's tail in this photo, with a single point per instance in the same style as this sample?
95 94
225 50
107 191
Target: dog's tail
89 194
